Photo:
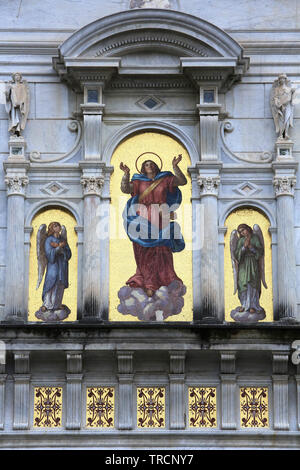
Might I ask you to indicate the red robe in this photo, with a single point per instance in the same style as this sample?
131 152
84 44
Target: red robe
155 264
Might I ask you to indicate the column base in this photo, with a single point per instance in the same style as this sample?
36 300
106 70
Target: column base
13 319
288 321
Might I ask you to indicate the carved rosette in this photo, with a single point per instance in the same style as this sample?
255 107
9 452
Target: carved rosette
16 185
92 185
284 186
209 185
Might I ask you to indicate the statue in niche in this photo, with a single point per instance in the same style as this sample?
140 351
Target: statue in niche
150 4
282 106
154 292
248 263
17 104
54 253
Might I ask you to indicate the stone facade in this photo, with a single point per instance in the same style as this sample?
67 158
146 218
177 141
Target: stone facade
208 72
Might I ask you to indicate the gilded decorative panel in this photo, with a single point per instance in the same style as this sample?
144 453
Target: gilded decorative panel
151 407
151 237
47 407
248 267
53 249
254 407
100 407
203 407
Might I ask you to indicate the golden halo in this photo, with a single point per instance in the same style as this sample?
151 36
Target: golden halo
149 153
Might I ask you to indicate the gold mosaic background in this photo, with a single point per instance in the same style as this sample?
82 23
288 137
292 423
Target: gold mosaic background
70 294
100 407
203 407
151 405
249 217
47 407
122 263
254 408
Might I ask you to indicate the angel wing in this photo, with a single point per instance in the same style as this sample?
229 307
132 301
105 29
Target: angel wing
234 238
274 109
40 251
63 233
257 231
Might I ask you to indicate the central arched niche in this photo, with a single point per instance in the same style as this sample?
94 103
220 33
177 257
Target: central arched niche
122 261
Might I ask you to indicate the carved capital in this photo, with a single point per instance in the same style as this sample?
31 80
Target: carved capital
284 186
16 184
92 185
209 185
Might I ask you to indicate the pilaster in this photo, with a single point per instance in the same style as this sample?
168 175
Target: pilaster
2 400
280 391
284 185
74 383
16 180
177 381
228 390
125 377
21 391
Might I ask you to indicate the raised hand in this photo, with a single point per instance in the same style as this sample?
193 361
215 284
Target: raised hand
124 168
175 160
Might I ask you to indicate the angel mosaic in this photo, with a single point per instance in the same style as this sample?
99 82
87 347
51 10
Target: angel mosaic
53 253
282 106
17 103
247 250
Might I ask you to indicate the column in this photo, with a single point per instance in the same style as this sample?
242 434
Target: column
209 259
209 181
280 391
21 391
2 388
16 181
125 376
80 274
177 382
228 390
92 182
284 185
74 383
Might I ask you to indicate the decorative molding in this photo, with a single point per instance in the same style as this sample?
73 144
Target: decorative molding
284 185
16 185
247 189
209 185
92 185
55 188
73 126
159 40
187 27
154 103
145 83
248 157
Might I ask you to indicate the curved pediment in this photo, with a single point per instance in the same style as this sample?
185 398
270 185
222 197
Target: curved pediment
123 32
148 43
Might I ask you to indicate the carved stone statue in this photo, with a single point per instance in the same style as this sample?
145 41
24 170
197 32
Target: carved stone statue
150 4
17 103
281 101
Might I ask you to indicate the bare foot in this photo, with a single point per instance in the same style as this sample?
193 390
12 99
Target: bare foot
43 309
252 310
149 292
241 309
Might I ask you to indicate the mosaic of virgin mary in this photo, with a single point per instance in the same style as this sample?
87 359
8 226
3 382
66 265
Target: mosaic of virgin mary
155 291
